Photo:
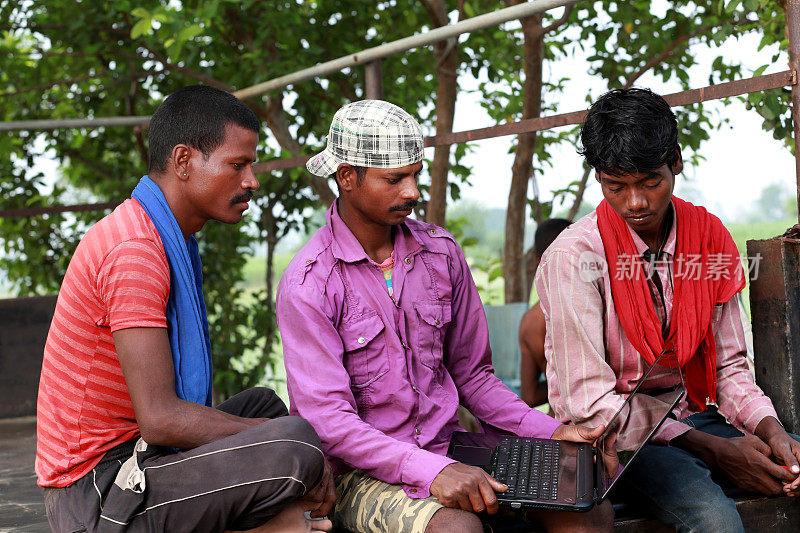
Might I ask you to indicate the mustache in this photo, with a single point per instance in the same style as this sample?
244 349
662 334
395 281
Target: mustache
245 197
405 207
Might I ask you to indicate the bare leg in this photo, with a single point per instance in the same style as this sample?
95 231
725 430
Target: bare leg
599 519
292 520
447 520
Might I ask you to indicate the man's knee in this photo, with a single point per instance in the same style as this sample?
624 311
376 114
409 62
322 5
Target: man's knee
297 429
300 445
446 520
268 402
715 516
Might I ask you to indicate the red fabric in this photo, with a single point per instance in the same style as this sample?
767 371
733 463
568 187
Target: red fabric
690 342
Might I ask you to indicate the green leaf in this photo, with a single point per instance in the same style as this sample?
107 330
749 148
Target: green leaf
496 272
140 13
760 70
140 28
189 33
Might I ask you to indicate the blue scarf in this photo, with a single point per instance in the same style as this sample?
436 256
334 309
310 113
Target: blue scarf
186 310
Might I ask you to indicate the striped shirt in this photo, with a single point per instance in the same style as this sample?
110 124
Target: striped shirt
591 364
117 279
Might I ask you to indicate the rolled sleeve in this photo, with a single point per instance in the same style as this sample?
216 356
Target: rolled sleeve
419 470
537 424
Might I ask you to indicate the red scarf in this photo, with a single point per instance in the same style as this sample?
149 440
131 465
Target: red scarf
706 272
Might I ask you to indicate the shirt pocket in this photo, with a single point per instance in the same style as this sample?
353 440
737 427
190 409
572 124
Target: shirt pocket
365 357
433 319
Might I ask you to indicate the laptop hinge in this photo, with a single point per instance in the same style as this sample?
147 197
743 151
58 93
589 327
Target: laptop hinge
598 474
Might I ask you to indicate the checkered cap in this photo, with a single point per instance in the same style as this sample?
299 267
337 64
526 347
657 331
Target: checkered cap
369 133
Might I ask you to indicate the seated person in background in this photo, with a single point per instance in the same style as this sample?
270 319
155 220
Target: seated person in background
533 388
648 274
127 439
384 332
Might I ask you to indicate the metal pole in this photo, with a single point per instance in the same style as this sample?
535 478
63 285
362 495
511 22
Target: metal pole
793 32
373 80
73 123
500 16
480 22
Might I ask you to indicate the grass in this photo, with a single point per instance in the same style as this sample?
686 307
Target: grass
743 232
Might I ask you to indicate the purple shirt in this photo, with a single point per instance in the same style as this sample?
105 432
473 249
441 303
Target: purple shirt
380 377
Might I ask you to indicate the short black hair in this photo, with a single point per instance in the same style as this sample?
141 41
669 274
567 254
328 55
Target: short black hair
629 131
546 233
197 116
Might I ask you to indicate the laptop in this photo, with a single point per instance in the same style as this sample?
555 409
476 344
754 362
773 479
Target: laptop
560 475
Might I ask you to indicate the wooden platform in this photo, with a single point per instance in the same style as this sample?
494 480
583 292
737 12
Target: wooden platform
22 507
21 504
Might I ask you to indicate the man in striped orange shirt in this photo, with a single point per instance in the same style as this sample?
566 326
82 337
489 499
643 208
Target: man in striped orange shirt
127 437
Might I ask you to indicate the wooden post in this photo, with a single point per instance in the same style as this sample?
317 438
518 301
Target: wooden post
374 80
775 308
775 291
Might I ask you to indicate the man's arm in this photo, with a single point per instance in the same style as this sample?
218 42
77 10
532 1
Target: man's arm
748 461
532 362
468 359
163 418
319 389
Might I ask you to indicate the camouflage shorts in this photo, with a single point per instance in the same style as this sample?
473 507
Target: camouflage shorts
366 505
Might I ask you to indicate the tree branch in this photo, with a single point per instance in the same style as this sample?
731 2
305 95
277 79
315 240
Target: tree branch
199 76
579 195
680 41
44 86
92 164
559 22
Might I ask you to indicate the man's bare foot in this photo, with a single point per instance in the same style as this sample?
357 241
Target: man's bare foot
293 520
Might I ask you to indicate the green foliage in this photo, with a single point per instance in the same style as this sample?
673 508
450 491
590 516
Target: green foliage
72 58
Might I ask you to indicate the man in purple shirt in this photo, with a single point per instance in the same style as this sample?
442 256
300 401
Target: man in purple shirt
384 335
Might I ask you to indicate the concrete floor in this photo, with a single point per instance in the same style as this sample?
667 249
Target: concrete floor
21 503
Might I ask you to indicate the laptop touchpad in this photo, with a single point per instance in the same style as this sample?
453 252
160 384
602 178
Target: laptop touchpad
472 455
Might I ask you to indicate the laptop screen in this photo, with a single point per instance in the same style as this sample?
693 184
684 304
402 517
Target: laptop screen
639 418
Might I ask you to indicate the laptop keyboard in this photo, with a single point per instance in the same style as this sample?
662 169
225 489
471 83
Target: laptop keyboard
528 466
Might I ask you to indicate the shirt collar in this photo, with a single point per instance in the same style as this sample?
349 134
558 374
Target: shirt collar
345 247
669 246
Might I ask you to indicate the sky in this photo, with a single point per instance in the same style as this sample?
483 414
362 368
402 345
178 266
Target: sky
741 158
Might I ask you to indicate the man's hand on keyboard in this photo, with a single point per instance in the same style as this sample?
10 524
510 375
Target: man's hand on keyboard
584 434
467 487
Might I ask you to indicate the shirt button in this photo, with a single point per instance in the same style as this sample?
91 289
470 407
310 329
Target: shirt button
414 388
437 322
417 431
432 231
407 260
361 340
412 491
309 261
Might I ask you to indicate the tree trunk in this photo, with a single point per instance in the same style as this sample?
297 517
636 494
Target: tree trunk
269 227
522 169
446 53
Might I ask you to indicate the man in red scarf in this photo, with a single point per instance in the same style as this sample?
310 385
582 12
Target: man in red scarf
647 274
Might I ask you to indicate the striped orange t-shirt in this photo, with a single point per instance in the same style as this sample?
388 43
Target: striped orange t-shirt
118 278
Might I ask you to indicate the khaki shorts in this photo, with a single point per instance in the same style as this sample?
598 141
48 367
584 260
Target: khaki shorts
366 505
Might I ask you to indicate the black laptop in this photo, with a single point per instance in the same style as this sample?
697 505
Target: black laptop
560 475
